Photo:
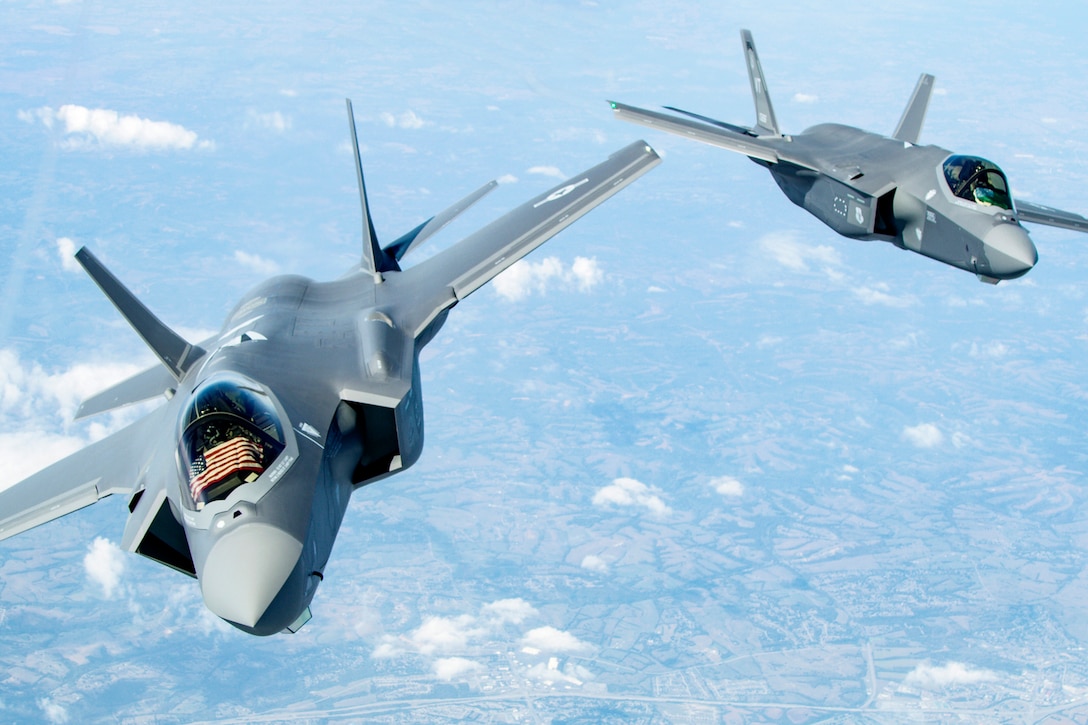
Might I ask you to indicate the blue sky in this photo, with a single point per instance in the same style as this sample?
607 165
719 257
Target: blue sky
727 459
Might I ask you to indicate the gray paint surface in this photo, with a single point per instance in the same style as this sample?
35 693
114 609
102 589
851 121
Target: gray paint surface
873 187
334 364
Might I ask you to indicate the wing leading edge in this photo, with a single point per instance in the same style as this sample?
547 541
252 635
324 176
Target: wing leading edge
111 465
716 135
457 272
1039 214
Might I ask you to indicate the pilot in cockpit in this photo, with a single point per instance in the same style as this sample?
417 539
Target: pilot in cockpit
230 435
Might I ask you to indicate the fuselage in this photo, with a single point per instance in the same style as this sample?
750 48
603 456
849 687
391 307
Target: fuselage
873 187
311 390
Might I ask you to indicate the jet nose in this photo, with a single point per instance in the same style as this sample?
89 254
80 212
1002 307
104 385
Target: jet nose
246 569
1009 251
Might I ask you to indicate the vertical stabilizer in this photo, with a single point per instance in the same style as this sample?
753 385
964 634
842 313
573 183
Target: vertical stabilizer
766 125
174 352
910 124
372 254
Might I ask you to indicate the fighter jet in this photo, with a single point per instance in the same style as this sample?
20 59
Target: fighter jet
954 208
310 391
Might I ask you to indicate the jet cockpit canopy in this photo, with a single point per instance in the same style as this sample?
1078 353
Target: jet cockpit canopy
230 433
978 180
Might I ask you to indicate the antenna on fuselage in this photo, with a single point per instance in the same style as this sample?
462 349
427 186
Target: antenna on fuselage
372 254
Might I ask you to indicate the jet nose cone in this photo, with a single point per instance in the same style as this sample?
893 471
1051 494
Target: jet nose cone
1009 251
246 569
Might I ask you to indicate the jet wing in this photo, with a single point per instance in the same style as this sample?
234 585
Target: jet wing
455 273
112 465
1039 214
143 386
714 135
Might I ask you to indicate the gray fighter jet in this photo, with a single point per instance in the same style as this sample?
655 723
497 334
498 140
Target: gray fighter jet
311 390
954 208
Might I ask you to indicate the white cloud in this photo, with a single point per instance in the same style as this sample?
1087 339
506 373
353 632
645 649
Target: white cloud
26 452
727 486
444 634
448 668
521 278
572 673
630 492
408 119
547 171
53 712
805 98
104 564
878 295
257 263
66 250
586 273
514 611
103 127
594 563
769 341
550 639
508 179
795 255
35 404
26 390
954 673
386 650
924 435
524 277
273 121
992 349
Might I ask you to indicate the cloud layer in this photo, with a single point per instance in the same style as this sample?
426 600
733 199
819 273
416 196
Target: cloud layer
102 127
923 435
452 642
35 403
727 486
630 493
408 119
552 640
524 277
104 564
954 673
785 248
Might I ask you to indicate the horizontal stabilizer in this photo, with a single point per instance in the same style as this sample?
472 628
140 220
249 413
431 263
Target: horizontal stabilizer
174 352
417 236
1039 214
456 272
714 135
143 386
766 125
910 124
108 466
